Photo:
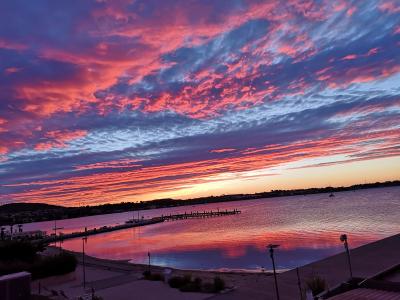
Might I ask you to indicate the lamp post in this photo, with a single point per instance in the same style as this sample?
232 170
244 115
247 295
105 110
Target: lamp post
299 283
271 248
61 241
11 231
343 239
55 232
84 241
148 254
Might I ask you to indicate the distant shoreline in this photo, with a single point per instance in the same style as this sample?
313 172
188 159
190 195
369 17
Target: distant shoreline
21 213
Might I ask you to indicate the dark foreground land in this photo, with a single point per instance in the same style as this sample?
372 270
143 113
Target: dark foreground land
18 213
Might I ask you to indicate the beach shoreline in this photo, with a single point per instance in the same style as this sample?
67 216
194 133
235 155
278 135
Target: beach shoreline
231 277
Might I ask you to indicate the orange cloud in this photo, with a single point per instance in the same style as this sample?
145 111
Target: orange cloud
114 186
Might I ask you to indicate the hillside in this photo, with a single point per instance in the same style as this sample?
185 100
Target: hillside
24 207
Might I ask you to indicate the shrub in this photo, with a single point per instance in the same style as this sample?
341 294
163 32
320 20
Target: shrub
18 251
186 284
187 279
219 284
198 281
153 276
9 267
157 277
190 287
176 282
42 267
53 265
146 274
316 284
208 287
39 297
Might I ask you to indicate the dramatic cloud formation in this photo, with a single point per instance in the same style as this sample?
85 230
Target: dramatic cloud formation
108 101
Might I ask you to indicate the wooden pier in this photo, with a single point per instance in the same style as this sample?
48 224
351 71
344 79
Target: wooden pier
136 223
104 229
200 215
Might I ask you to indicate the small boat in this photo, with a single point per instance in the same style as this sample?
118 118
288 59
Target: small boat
331 195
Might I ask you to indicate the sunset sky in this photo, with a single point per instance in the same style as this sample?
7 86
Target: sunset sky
110 101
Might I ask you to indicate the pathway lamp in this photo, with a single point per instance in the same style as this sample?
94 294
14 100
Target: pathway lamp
343 239
271 248
84 241
148 254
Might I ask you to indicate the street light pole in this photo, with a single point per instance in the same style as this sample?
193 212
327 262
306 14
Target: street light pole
148 254
299 283
271 248
343 239
84 241
55 232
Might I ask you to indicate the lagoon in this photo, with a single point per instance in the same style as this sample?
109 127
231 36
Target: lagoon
307 228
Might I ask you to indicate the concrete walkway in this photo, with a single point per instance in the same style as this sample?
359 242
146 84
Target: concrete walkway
367 260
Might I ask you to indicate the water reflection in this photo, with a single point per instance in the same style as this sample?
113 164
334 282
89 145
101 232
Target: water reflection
208 251
306 227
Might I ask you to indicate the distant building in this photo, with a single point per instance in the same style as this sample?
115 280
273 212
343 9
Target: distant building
29 235
22 235
16 286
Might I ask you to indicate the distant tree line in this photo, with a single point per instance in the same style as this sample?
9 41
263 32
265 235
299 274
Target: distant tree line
18 213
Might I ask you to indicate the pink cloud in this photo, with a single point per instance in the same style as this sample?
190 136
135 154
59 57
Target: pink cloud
59 139
391 7
351 11
350 140
349 57
223 150
12 70
373 51
118 164
7 44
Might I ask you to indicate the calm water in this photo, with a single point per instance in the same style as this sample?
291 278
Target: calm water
306 227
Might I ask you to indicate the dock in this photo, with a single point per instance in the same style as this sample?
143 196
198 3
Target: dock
200 215
104 229
137 223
